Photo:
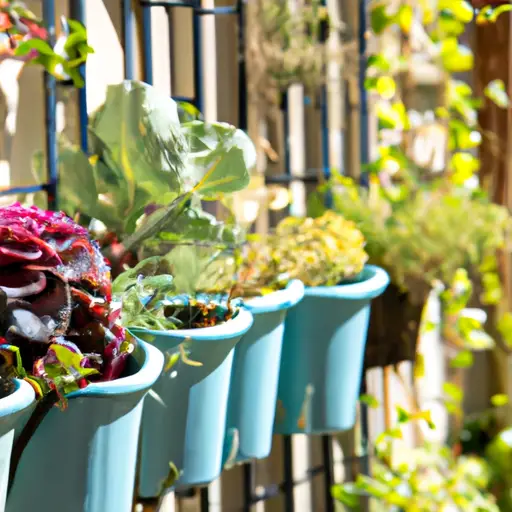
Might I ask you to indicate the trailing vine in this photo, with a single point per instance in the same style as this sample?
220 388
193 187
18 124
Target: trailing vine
427 220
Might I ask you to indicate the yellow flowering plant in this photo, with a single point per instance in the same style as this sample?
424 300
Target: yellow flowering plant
324 251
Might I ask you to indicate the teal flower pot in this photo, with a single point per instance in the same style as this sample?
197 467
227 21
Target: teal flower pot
84 458
12 409
184 419
323 352
253 388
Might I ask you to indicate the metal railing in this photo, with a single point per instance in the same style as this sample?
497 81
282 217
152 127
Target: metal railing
77 11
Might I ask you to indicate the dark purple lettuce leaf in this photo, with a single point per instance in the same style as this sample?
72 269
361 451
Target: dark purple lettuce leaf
55 298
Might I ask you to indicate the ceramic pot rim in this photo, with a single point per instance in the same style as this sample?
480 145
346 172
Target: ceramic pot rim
139 381
278 300
20 399
374 285
233 328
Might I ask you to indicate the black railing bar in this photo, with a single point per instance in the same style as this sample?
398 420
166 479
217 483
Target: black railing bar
274 490
148 45
190 492
242 69
197 29
128 40
288 178
249 483
185 99
51 112
328 473
29 189
169 3
288 485
227 9
77 11
204 499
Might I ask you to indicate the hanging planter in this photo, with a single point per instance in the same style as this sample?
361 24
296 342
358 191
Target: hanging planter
395 323
253 388
287 46
323 352
12 409
184 420
91 447
59 334
325 333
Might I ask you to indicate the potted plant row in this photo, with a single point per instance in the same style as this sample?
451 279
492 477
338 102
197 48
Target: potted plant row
325 334
152 200
60 338
319 333
180 294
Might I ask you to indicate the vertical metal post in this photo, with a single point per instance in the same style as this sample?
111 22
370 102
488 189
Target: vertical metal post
284 109
289 505
328 472
242 72
325 132
365 157
171 46
204 499
51 111
77 11
129 49
198 59
249 470
365 149
324 121
148 47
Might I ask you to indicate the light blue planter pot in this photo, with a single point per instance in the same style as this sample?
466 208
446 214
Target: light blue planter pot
184 420
84 458
323 352
253 388
12 409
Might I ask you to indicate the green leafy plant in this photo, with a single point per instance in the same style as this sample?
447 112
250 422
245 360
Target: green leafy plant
429 226
426 237
153 300
148 173
23 37
421 479
320 252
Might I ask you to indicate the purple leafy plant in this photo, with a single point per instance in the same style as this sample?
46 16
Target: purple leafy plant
57 330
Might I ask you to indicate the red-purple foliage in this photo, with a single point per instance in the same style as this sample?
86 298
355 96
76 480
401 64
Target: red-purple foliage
55 293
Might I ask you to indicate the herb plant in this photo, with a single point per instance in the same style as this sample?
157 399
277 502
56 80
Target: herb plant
320 252
151 300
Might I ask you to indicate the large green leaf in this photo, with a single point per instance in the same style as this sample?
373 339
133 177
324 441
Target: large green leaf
196 225
139 130
220 159
199 268
76 182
